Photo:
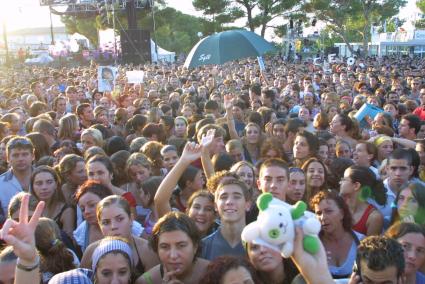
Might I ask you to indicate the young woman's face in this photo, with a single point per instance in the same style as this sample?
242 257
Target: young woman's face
145 198
197 183
347 188
332 145
414 251
202 212
114 221
323 152
169 159
264 259
385 149
98 172
138 173
271 153
176 251
180 128
44 186
252 134
343 151
78 175
102 117
407 205
87 204
113 268
360 155
329 215
315 174
296 187
246 174
87 141
301 148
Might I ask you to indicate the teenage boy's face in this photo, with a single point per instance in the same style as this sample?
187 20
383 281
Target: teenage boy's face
274 180
231 203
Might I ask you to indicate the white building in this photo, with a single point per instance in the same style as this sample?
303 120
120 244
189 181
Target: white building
35 38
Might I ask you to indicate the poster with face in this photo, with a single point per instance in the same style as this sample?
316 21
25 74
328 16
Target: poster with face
106 78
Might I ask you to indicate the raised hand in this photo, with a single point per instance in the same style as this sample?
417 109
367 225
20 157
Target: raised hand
208 138
20 234
191 152
228 101
312 266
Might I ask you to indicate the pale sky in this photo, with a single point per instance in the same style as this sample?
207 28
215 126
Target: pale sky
28 13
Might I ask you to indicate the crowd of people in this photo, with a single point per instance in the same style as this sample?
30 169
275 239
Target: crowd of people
155 182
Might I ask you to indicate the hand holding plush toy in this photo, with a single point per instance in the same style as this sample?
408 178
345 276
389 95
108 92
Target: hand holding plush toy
276 222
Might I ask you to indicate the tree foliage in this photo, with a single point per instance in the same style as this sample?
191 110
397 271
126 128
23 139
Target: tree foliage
174 30
259 13
345 18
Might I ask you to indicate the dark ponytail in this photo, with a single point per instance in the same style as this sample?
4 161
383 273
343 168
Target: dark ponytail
54 256
371 187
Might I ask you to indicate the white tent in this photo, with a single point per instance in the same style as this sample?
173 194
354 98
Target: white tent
162 54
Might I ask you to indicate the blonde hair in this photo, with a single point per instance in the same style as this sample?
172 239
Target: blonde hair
67 125
95 134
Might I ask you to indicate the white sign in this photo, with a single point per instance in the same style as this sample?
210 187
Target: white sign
135 77
332 58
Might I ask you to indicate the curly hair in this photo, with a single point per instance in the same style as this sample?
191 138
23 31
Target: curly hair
379 252
347 221
218 268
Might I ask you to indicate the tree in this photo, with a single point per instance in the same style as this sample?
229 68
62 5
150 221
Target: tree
230 10
343 17
271 9
420 24
221 11
174 31
83 25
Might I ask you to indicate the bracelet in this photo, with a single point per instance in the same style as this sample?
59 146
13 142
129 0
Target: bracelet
29 268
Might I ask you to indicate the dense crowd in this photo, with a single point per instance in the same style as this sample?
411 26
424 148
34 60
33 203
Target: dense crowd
154 182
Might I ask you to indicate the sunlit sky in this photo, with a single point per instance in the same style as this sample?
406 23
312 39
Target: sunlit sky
21 14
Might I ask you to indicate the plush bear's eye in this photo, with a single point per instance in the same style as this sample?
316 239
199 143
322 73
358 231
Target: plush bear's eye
280 225
280 214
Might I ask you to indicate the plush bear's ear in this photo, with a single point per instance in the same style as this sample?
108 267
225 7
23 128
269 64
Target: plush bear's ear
263 201
298 210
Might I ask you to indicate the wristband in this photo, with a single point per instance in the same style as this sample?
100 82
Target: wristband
29 268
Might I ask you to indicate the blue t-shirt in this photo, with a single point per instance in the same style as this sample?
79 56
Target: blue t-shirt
216 245
420 278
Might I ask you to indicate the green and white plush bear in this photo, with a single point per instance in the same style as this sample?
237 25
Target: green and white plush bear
275 226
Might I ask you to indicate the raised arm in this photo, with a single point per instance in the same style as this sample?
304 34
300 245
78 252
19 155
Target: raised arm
404 142
207 164
228 104
191 152
314 268
21 236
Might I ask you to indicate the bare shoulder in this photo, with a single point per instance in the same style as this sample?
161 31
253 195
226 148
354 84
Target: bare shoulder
199 269
151 276
148 256
375 216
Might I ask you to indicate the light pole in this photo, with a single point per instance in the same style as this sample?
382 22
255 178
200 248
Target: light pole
115 36
51 26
